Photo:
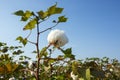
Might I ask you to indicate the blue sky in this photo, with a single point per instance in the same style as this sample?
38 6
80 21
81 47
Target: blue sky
93 26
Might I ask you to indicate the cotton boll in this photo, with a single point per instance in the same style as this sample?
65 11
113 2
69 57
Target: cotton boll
32 73
57 38
12 78
30 65
17 62
74 77
111 70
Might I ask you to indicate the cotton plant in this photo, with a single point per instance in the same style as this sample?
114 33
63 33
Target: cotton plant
57 38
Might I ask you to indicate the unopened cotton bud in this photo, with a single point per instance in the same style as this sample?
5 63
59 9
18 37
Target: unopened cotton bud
57 38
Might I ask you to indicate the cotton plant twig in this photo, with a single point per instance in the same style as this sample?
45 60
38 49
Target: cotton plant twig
49 28
31 42
29 34
28 37
60 49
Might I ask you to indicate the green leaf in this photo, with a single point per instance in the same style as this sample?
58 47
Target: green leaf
54 10
60 77
34 52
19 13
26 16
5 49
97 73
17 52
30 25
74 67
68 53
88 74
22 40
2 70
51 9
81 79
5 57
1 44
44 52
51 60
19 38
42 14
62 19
58 10
11 67
60 57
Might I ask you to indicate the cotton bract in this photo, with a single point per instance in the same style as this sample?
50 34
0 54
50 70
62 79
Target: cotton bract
57 38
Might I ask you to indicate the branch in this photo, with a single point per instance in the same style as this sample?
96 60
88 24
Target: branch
28 37
61 49
31 42
49 28
29 34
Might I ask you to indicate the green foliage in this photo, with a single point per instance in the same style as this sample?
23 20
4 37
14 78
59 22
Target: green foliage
54 10
8 68
22 40
43 52
42 14
19 13
57 68
51 11
7 65
62 19
24 15
5 49
68 53
30 25
17 52
88 74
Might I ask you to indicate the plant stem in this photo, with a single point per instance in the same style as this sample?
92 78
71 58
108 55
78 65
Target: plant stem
37 46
